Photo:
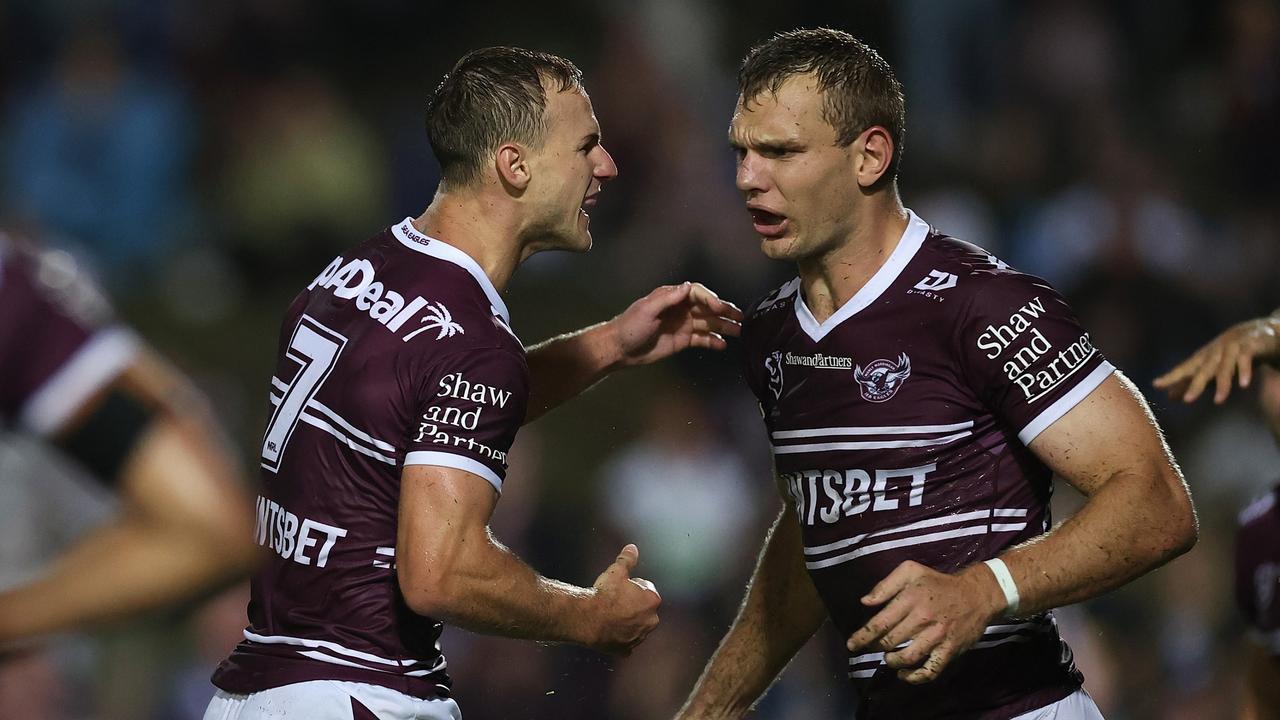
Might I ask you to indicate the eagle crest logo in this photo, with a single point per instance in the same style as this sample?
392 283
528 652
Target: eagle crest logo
880 379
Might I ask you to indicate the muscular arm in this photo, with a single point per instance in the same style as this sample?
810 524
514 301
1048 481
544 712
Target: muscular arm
183 526
1138 516
451 568
780 612
666 321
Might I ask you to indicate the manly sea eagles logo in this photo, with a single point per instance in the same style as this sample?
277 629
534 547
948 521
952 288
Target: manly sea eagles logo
881 379
773 365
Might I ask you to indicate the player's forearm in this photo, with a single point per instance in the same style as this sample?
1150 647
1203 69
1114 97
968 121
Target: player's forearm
1134 523
485 588
566 365
183 528
780 612
121 569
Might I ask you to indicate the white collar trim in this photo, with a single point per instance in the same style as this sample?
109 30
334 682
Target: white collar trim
409 236
910 242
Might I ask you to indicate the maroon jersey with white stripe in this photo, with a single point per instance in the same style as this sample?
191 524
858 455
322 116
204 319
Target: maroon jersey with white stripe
900 428
58 344
399 353
1258 570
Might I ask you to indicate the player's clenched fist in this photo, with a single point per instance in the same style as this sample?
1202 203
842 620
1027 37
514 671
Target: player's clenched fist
627 607
930 617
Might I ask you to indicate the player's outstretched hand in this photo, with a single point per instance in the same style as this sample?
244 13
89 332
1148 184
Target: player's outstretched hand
627 606
930 618
673 318
1231 353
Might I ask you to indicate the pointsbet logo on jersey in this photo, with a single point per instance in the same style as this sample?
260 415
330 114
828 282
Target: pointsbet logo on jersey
881 379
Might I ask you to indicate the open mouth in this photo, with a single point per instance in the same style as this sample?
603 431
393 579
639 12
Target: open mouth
589 202
768 224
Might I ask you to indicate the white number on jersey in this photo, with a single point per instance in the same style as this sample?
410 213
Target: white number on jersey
316 349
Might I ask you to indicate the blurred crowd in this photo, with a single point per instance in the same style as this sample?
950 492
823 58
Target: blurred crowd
205 160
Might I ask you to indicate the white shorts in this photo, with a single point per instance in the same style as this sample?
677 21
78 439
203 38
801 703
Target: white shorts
1076 706
328 700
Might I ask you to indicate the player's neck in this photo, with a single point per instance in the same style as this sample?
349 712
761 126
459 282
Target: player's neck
831 279
467 223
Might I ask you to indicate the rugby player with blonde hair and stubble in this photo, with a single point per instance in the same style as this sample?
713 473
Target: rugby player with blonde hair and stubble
919 396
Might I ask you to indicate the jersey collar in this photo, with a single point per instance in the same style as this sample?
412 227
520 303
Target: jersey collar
409 236
910 242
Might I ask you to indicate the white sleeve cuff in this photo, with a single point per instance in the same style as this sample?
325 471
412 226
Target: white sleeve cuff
1064 404
457 462
95 364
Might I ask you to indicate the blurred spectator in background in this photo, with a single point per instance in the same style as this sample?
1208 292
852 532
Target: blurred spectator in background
685 497
98 151
301 175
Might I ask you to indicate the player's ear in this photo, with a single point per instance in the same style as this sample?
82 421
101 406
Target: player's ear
873 152
512 163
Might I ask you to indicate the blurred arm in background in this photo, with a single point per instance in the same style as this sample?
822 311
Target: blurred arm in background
668 320
95 392
1231 353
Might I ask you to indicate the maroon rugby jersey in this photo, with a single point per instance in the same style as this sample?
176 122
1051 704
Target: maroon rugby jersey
1258 570
900 428
58 345
399 353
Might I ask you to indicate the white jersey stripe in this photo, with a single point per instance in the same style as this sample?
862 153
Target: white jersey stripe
319 422
1007 527
326 645
314 421
868 445
1002 641
381 445
872 430
931 522
891 544
314 655
1009 512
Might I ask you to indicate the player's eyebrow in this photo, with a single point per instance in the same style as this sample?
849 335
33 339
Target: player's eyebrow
774 145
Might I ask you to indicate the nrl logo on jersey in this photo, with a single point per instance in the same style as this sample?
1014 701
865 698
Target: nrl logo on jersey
773 366
881 379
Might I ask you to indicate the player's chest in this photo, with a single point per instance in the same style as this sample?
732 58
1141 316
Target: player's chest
881 374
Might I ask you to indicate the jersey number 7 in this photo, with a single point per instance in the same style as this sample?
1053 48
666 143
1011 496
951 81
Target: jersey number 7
316 349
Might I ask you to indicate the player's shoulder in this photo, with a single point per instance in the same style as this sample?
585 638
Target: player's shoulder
34 276
429 295
775 304
977 277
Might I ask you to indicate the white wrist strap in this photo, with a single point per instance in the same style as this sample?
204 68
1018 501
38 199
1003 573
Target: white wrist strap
1007 586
